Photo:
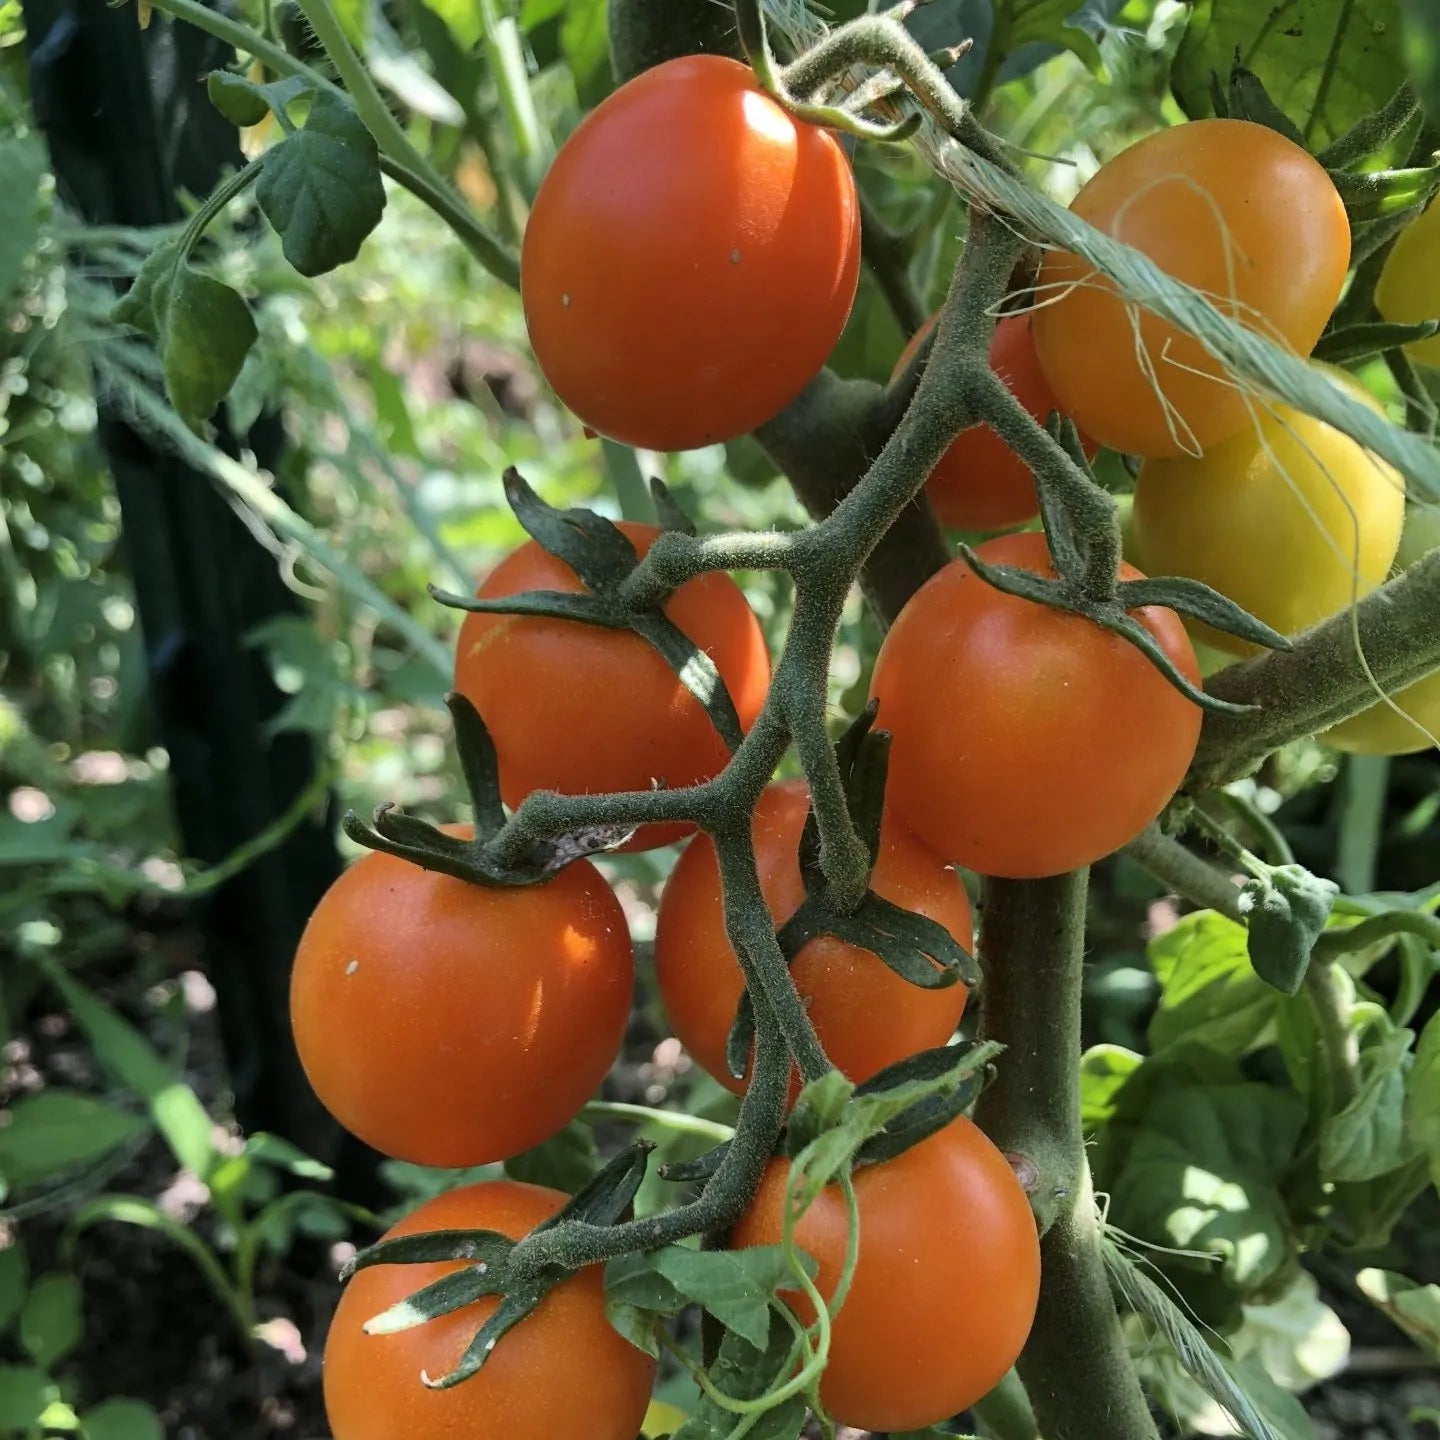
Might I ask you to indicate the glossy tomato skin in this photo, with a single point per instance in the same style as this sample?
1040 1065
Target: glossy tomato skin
1409 287
452 1024
844 987
1027 741
1179 196
945 1286
581 709
563 1373
980 482
691 257
1291 519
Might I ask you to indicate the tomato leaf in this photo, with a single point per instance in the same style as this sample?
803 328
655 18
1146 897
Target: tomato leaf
566 1161
51 1320
735 1286
144 304
744 1372
321 189
585 44
1024 22
1286 910
1210 994
25 1394
23 167
1422 1097
14 1278
56 1131
122 1420
1415 1308
1104 1069
1325 67
1367 1138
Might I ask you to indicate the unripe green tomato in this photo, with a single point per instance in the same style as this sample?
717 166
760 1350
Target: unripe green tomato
1380 730
1409 288
1291 519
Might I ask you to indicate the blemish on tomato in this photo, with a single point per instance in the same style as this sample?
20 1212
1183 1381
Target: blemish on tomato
352 967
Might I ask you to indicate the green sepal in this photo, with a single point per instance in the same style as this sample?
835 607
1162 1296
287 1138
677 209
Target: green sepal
926 1117
701 1168
430 1247
1373 194
668 510
1361 342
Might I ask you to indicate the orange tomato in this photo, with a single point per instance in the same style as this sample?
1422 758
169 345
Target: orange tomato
844 987
563 1373
453 1024
1027 741
980 482
691 257
580 709
1235 210
945 1285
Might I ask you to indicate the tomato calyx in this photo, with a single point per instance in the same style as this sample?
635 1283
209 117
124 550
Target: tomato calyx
494 1264
603 557
918 949
478 860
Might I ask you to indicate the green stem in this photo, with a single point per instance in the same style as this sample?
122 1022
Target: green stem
1339 1048
1363 789
676 1121
885 254
506 59
1006 1413
215 202
1335 943
1186 873
1075 1365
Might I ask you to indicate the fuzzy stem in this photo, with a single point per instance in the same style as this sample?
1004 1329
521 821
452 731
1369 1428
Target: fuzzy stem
1075 1365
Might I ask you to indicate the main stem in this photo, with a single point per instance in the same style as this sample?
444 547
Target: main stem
1075 1364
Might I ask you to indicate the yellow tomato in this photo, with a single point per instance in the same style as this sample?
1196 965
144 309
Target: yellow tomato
1409 288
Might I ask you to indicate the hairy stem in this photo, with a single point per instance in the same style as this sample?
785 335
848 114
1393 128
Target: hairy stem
1075 1365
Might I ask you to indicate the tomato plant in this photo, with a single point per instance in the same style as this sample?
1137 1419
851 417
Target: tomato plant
844 987
945 1287
579 709
422 1034
691 257
990 696
981 483
1291 519
1409 288
1233 208
562 1374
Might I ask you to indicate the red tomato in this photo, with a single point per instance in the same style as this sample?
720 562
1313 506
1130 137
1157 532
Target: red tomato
690 259
844 987
563 1373
1235 210
980 482
945 1286
453 1024
1027 741
580 709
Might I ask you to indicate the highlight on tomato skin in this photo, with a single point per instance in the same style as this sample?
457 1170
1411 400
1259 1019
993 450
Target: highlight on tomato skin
1232 208
843 986
562 1373
945 1286
582 709
423 1034
1028 741
980 482
690 259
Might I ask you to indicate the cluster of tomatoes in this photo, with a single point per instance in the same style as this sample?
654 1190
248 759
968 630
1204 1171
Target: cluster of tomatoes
453 1024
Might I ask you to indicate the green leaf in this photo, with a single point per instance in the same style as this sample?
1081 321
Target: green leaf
1422 1097
56 1131
1024 22
745 1373
23 167
1422 52
25 1395
52 1319
270 1149
1209 992
585 44
462 17
735 1286
565 1161
1276 1405
321 188
239 100
1325 65
122 1420
145 303
14 1277
1415 1308
1286 910
127 1055
1104 1069
1367 1138
208 332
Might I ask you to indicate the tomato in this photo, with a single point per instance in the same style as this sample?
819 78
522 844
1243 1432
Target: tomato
1228 206
980 482
563 1373
1291 519
691 257
453 1024
945 1285
580 709
844 987
1027 741
1380 730
1409 288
